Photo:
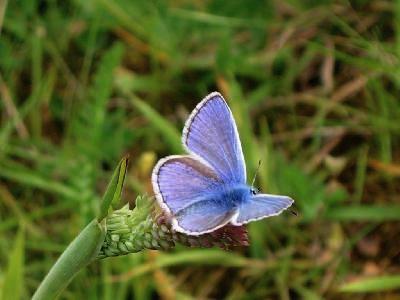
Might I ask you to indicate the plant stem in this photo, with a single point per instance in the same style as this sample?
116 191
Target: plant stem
82 250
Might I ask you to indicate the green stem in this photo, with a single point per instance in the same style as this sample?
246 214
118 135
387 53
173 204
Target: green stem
82 250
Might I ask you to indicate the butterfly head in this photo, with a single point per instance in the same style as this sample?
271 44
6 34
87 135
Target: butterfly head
254 190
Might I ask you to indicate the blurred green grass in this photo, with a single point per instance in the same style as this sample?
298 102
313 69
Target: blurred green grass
313 87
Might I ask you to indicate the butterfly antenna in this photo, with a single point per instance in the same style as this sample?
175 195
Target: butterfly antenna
255 175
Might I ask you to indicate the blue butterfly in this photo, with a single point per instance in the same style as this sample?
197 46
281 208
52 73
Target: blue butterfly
207 189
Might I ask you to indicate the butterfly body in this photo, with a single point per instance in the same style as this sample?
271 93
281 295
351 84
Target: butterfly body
228 197
207 189
235 195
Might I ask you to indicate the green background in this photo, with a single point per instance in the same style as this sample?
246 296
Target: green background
314 87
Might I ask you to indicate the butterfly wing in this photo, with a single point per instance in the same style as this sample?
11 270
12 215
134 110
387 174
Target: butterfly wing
203 216
261 206
186 188
211 134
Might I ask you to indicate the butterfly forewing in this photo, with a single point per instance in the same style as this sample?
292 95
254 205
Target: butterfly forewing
211 133
261 206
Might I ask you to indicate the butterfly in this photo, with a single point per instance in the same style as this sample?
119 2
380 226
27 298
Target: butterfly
206 189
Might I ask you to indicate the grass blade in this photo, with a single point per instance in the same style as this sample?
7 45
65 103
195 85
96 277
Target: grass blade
114 189
82 250
372 284
169 133
193 257
371 213
13 282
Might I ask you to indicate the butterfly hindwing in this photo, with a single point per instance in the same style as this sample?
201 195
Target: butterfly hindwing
203 216
187 188
211 133
261 206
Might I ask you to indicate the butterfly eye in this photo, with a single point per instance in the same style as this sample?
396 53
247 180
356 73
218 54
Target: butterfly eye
253 191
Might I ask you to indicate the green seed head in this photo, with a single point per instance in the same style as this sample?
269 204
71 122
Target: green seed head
147 227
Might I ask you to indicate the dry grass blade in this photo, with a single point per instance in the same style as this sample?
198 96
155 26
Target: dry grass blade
3 7
12 110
